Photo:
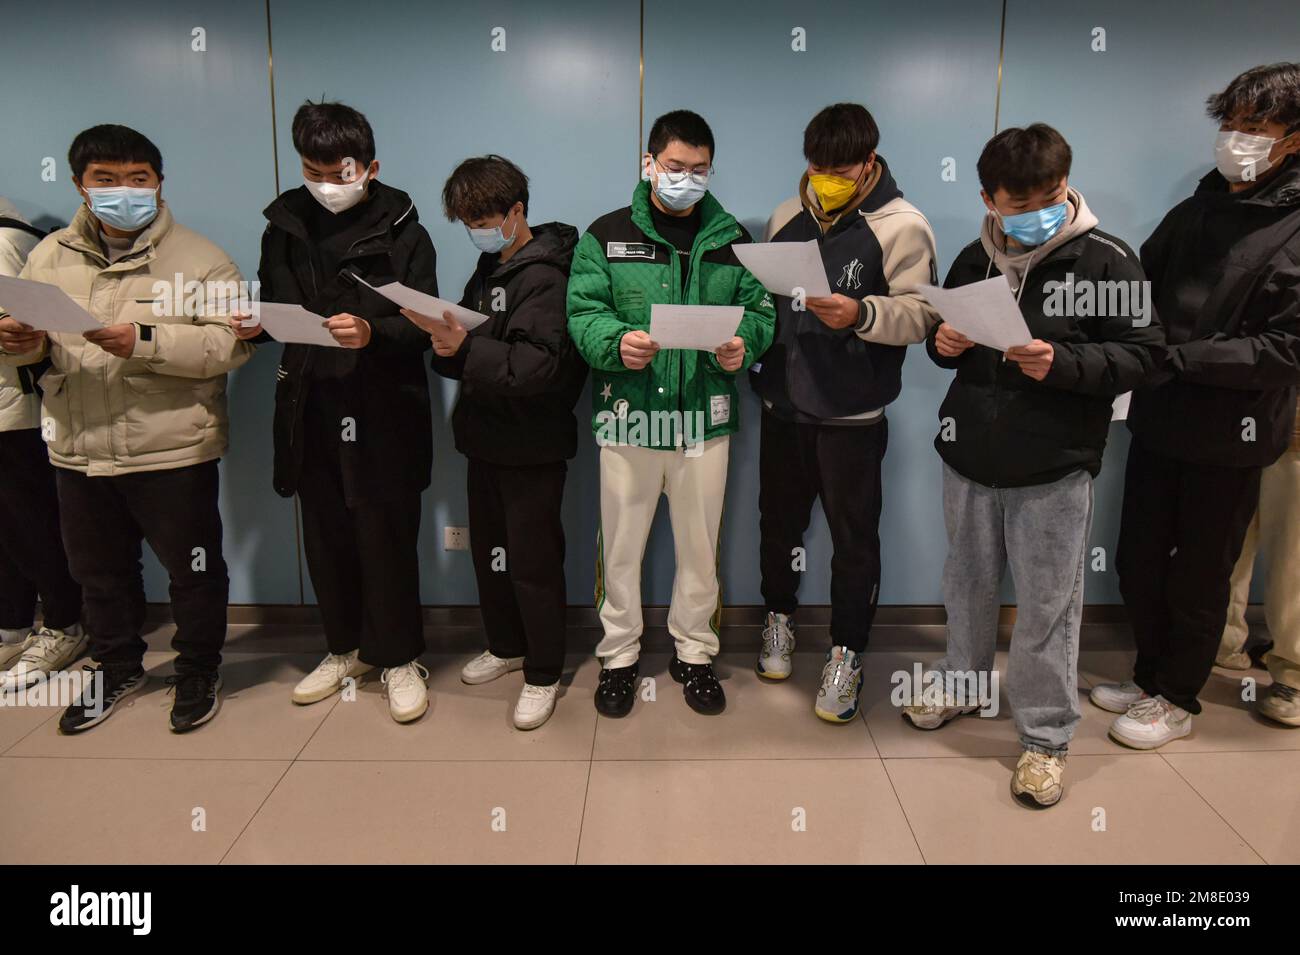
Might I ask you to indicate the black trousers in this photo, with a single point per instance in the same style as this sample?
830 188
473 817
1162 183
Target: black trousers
32 560
517 542
797 464
1181 532
105 519
363 558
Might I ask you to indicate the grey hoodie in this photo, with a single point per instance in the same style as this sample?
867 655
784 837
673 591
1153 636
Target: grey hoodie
1014 265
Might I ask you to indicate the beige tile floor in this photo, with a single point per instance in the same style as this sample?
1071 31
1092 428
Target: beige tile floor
765 782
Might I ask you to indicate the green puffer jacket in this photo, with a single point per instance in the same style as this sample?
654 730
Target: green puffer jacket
621 267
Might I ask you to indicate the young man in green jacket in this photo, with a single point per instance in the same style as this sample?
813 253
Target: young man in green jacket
663 417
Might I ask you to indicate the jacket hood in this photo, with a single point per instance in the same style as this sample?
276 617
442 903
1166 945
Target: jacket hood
552 244
386 208
1280 190
1015 265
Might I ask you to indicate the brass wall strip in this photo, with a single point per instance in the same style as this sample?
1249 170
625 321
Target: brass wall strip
1002 45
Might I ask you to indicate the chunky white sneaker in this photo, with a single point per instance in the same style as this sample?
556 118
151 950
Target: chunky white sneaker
47 652
327 678
1151 723
1037 779
1117 697
1281 703
774 659
408 696
486 667
930 716
535 706
11 650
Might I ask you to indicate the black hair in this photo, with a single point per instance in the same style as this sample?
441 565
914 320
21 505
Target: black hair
484 186
1270 93
843 134
331 132
112 143
680 125
1021 160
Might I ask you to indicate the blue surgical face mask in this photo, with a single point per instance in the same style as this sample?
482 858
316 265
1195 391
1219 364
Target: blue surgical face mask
124 207
682 194
1035 227
491 240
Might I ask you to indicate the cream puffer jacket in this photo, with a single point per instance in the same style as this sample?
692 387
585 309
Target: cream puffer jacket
163 407
19 406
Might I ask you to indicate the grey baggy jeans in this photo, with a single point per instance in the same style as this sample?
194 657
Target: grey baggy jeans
1042 533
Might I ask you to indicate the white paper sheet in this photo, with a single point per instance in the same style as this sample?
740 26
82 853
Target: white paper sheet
44 306
985 312
1119 407
293 323
694 326
783 267
427 305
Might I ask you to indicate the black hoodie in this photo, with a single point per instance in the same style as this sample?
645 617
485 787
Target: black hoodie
520 373
1225 277
383 387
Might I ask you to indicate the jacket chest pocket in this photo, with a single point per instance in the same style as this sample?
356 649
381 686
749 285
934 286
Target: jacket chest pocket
164 413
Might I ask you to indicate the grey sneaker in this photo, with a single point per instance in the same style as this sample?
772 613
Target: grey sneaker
1281 704
837 700
774 660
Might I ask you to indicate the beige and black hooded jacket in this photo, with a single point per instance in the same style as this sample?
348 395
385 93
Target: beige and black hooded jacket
878 251
164 406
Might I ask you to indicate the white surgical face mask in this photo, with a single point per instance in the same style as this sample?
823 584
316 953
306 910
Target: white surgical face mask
338 197
1242 157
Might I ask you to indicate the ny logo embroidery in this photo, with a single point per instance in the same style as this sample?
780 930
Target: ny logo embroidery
852 275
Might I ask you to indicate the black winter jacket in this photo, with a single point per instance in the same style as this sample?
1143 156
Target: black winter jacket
386 392
520 373
1006 429
1225 270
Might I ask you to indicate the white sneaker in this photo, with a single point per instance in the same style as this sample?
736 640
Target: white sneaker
774 659
327 678
1117 697
1281 704
11 651
47 651
930 716
535 706
1151 723
408 696
486 667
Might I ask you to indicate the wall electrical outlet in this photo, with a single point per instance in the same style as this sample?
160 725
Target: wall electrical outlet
455 538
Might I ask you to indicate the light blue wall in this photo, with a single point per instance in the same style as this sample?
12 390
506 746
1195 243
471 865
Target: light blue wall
563 101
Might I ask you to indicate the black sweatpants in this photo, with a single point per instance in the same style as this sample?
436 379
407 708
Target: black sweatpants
1181 532
517 542
363 558
105 519
32 560
798 463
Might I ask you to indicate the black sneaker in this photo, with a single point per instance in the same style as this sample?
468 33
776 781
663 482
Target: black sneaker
198 697
105 687
700 684
617 690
